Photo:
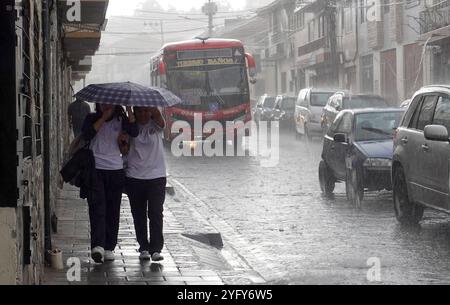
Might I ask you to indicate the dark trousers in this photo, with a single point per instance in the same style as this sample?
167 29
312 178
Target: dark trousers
104 208
147 200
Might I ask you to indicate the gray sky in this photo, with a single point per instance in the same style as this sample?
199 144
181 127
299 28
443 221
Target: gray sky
126 7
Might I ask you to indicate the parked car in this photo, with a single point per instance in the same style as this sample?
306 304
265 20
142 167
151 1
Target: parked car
344 100
264 108
358 149
284 110
420 169
405 103
308 109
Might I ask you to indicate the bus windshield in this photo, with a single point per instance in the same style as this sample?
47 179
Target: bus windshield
193 85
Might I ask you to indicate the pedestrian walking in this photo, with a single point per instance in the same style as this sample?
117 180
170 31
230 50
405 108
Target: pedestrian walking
78 111
146 182
103 129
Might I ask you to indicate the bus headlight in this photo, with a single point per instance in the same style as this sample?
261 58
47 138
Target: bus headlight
378 163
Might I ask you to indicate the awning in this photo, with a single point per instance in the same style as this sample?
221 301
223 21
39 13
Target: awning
82 22
84 65
77 76
434 36
309 7
81 43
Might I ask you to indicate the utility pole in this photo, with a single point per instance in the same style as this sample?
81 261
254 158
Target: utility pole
210 9
330 12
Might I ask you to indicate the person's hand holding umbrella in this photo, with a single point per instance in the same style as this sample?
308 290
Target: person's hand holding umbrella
107 113
157 117
131 116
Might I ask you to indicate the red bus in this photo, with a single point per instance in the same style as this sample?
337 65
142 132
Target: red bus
211 76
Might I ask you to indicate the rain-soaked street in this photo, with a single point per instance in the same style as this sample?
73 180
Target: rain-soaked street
299 236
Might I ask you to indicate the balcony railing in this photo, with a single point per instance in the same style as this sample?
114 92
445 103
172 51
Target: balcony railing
276 37
313 46
435 17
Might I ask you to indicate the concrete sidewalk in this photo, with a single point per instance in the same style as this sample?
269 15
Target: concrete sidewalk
193 254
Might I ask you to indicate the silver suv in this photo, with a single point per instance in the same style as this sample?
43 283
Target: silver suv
420 168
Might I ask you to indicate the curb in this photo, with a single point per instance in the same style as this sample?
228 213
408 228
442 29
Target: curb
232 240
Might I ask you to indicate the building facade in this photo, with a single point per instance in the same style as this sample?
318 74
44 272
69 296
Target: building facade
383 47
278 58
44 49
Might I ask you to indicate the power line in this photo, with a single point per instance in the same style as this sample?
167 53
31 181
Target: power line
153 33
155 18
180 17
125 53
193 14
122 48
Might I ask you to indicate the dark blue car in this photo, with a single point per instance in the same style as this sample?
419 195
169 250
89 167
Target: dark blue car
358 150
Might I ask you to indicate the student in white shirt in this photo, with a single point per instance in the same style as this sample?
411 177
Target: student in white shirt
103 130
146 181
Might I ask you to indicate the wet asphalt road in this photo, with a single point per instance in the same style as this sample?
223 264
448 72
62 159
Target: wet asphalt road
310 239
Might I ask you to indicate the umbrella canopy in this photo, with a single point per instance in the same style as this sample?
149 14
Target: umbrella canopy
128 94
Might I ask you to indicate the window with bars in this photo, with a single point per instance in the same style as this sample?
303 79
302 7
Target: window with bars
362 11
299 20
26 94
37 85
348 17
322 26
387 6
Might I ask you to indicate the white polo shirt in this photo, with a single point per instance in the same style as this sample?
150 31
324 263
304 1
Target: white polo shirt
145 160
105 147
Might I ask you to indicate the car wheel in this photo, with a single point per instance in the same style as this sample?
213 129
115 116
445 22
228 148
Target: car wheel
406 211
354 187
326 179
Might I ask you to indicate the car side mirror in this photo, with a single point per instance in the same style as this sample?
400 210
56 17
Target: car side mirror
340 138
436 133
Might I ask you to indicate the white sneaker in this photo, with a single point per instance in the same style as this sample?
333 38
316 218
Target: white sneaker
145 256
109 256
97 254
157 257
